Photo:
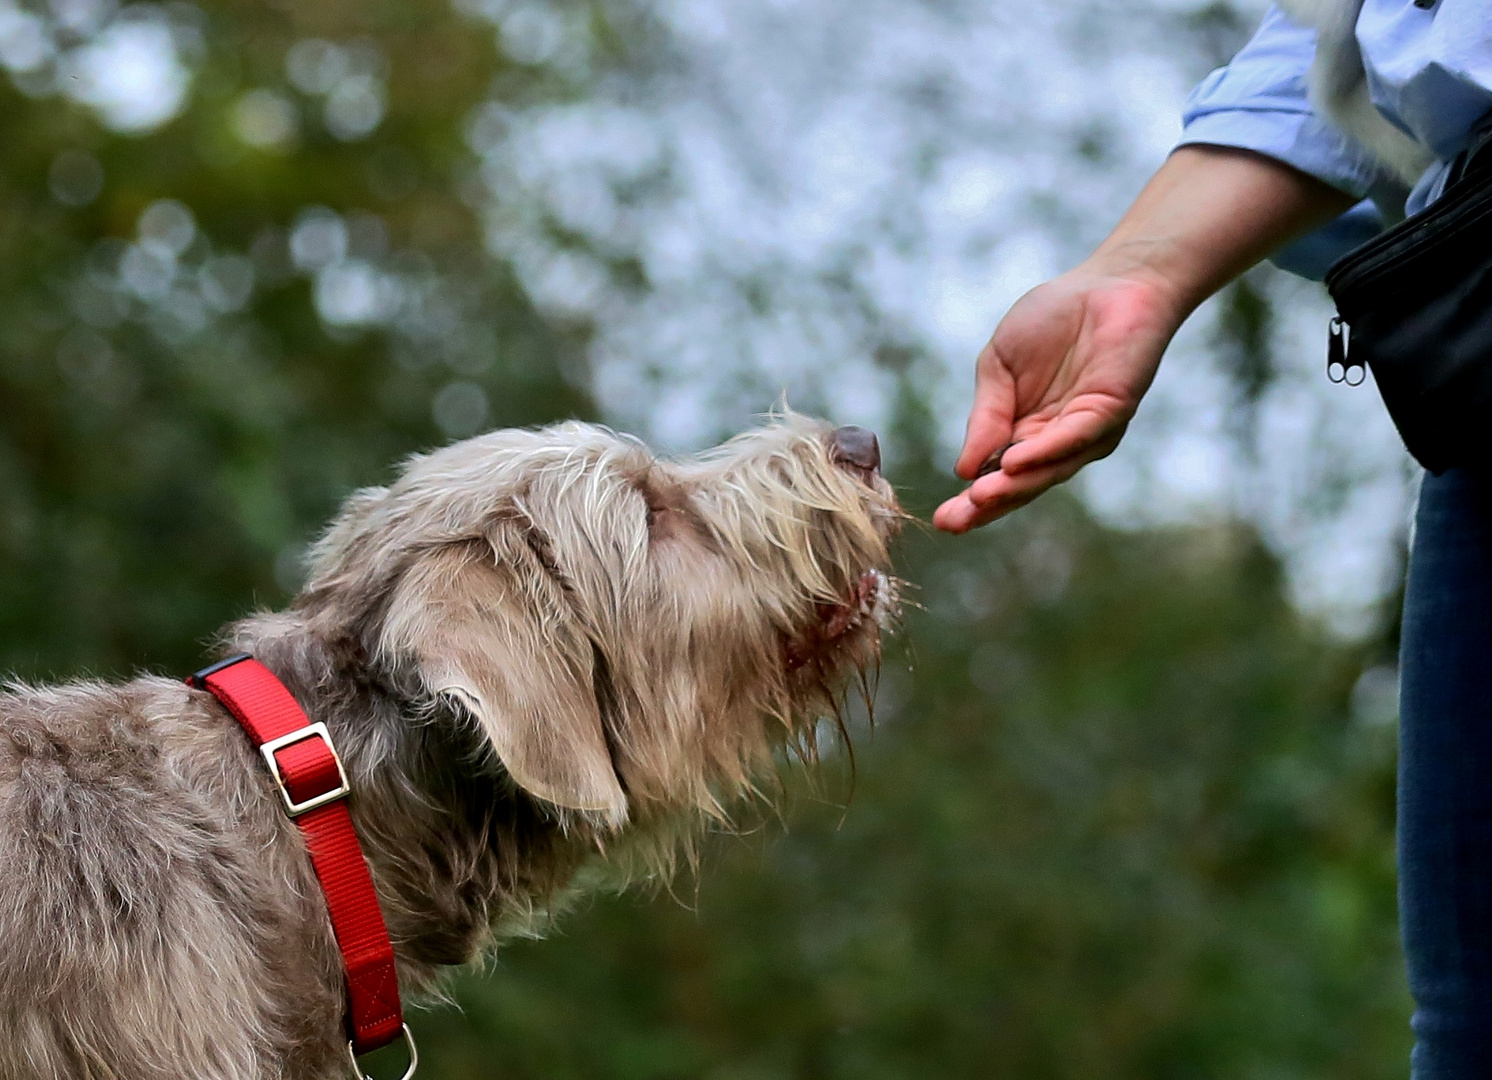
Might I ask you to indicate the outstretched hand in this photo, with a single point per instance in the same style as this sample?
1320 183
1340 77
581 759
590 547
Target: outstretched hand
1056 386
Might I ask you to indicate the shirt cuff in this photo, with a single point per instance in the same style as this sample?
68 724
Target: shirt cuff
1299 139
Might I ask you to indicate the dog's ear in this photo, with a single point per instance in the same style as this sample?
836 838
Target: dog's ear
487 624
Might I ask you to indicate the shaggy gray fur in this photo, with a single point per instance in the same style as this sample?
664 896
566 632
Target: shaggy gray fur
546 658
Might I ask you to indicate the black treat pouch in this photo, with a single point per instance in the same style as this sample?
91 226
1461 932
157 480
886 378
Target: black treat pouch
1416 302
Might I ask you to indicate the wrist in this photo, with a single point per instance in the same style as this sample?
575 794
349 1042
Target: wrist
1173 293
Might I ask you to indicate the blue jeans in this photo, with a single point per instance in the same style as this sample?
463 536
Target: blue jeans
1445 779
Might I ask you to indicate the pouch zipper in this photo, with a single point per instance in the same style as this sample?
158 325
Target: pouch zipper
1339 367
1400 242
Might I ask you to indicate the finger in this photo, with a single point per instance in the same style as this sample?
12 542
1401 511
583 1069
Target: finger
964 511
960 514
1005 486
956 515
1073 433
990 417
998 494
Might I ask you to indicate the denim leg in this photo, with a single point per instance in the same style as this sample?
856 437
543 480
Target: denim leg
1445 779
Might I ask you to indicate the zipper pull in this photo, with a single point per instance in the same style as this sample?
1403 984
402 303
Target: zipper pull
1339 369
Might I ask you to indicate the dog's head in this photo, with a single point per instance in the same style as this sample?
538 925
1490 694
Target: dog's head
633 635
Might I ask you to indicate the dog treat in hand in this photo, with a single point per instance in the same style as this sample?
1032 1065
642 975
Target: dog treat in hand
530 646
993 462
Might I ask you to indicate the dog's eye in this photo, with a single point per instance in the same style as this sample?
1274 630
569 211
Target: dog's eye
671 514
659 501
666 521
659 523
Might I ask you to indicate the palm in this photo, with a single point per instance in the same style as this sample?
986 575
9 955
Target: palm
1057 384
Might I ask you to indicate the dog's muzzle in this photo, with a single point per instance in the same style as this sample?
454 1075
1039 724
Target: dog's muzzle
857 449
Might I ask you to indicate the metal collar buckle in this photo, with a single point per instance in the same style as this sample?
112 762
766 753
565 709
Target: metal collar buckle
310 731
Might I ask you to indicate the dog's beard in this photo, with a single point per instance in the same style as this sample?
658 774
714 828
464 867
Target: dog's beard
848 627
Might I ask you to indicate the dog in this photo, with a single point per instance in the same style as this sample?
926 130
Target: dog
548 658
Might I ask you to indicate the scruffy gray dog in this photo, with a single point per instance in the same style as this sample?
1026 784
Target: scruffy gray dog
547 658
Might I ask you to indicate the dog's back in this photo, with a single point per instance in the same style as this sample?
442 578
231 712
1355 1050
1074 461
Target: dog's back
135 912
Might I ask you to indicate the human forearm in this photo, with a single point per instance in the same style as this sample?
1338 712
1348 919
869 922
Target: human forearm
1207 215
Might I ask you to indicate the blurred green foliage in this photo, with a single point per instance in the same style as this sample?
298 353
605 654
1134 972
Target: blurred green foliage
164 438
1118 816
1114 821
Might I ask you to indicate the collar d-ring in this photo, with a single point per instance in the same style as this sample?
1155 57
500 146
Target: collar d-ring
414 1058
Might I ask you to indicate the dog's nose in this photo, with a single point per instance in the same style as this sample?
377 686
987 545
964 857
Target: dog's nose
857 446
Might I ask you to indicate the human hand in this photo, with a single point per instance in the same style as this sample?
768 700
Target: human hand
1065 370
1056 386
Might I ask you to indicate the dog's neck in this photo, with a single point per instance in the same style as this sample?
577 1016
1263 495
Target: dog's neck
457 853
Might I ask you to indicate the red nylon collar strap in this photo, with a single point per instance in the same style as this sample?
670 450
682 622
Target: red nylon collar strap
311 780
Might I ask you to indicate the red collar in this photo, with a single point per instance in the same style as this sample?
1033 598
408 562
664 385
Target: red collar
311 780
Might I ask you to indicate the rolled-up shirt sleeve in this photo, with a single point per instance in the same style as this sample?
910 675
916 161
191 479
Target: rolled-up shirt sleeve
1259 102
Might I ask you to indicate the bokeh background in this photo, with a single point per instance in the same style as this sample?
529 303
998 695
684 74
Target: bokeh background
1126 810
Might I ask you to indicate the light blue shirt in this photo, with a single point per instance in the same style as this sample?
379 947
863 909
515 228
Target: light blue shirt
1429 72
